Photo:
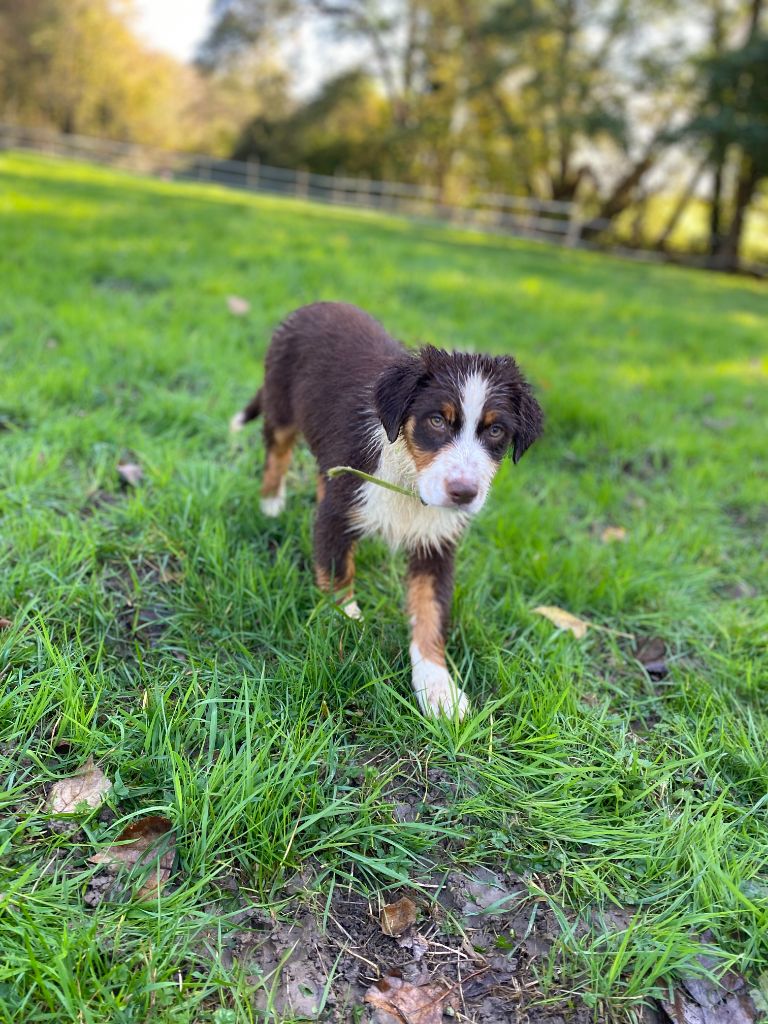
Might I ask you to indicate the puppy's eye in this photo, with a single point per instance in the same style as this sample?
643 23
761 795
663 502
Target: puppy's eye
495 432
437 421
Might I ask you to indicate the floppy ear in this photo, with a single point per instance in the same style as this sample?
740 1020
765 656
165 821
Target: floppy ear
394 391
529 422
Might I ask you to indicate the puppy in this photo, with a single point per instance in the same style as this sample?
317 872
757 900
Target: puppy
438 423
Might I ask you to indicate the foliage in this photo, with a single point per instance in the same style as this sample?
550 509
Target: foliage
79 66
733 115
346 125
608 103
174 635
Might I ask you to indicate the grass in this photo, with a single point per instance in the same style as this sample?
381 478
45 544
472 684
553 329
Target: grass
175 635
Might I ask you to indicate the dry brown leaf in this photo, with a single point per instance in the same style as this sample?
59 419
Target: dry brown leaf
700 1000
5 623
238 306
564 620
144 844
613 533
396 1001
652 655
397 917
88 787
130 473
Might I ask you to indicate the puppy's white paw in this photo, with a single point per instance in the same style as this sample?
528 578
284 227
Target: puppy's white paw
273 505
237 423
435 691
352 610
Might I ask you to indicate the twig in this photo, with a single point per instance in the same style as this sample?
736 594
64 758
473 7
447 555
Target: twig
338 470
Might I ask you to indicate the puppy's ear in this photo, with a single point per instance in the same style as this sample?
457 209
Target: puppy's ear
529 423
525 409
394 392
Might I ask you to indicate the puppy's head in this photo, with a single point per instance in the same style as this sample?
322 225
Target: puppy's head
458 415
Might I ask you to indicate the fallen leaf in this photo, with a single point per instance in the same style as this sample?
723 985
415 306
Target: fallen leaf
130 473
396 1001
700 1001
652 655
564 620
147 845
613 533
397 917
86 788
237 306
5 623
416 944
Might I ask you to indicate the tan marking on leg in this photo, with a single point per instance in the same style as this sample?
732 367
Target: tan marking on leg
420 458
343 585
320 493
426 619
278 461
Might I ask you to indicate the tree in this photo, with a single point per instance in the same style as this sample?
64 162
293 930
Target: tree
78 66
346 126
410 48
733 119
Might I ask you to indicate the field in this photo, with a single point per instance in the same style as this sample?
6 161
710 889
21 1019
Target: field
578 843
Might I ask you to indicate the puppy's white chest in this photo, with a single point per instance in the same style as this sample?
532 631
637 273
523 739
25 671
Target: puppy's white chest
403 521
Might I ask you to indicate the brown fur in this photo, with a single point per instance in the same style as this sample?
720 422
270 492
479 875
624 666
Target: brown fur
335 376
279 452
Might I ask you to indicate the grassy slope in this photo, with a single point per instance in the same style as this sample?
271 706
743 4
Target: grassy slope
597 784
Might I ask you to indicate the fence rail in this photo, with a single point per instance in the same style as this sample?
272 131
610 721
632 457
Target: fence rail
508 214
565 223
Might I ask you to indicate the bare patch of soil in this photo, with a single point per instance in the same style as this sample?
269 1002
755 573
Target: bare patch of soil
472 938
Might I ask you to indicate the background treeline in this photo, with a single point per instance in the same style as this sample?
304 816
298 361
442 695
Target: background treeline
652 114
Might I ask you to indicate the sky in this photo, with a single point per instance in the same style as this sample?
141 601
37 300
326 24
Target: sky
178 26
174 26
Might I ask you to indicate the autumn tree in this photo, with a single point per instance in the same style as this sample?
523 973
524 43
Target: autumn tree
80 67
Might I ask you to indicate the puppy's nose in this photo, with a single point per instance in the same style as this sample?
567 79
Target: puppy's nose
460 492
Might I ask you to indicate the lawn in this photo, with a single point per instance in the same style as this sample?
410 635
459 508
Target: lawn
573 847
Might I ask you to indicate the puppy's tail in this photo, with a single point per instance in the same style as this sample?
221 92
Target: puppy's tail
250 412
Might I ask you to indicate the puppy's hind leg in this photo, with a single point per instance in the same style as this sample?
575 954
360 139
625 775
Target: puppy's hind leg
279 443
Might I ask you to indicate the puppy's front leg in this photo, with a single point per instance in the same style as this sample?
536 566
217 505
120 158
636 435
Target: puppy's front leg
335 552
430 586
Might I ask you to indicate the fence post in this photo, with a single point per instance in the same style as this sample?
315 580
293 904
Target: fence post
335 195
252 172
573 234
302 184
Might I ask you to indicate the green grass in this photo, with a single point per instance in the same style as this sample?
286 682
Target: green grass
175 635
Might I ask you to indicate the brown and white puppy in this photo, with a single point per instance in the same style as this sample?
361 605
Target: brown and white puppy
433 421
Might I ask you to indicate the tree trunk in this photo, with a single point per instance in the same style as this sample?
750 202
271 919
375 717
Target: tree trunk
729 255
680 206
621 196
715 241
725 249
717 40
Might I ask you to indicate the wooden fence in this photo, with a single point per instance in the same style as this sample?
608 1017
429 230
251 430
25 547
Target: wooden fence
487 211
549 220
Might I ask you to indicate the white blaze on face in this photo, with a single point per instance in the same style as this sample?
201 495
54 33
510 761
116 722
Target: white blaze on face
464 462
